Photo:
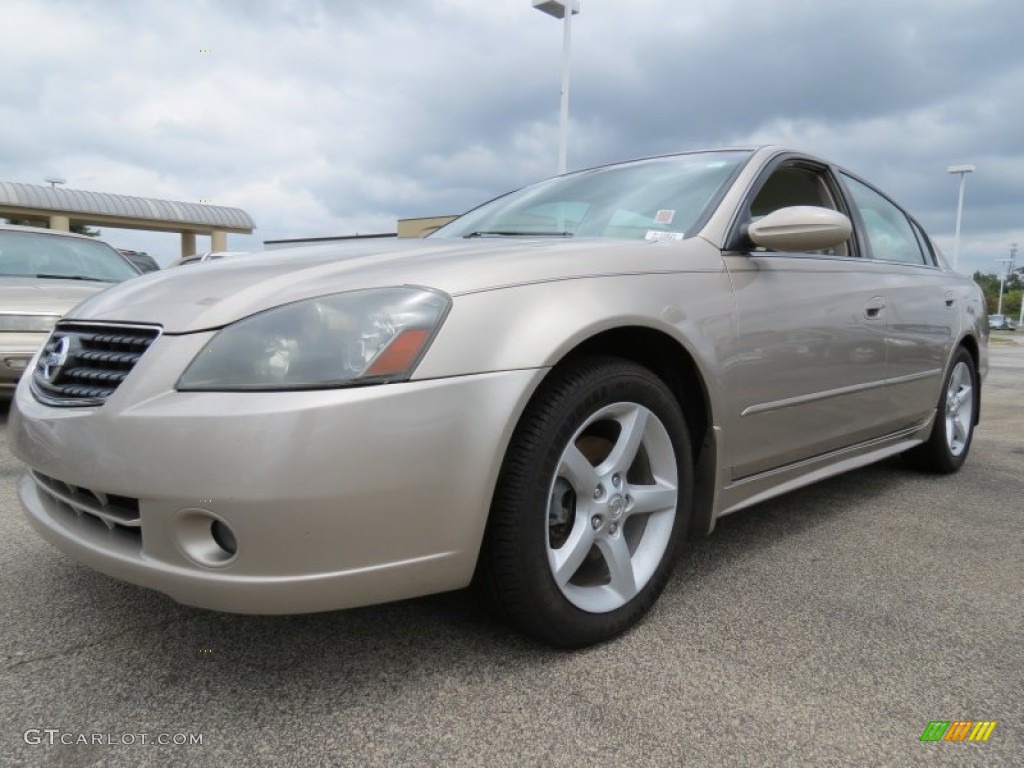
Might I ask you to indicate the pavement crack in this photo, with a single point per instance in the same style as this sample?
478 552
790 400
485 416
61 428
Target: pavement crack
9 663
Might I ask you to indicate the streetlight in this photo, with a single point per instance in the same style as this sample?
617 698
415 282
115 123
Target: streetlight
1020 318
1002 278
962 170
557 8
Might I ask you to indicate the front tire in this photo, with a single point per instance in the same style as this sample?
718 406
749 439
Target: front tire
591 505
946 448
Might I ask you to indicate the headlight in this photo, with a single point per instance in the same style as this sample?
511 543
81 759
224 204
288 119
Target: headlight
30 323
360 337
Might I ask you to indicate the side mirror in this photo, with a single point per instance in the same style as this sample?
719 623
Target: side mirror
800 228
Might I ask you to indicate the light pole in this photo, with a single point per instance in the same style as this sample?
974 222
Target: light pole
962 171
557 8
1002 277
1020 318
1009 271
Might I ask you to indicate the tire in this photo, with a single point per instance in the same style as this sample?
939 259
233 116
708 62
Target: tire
591 505
946 448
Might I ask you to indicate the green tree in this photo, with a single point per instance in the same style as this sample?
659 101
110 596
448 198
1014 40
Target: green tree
989 284
1011 304
1013 290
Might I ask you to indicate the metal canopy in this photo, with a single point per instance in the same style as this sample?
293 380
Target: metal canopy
103 207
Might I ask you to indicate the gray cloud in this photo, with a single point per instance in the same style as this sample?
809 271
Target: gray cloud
335 117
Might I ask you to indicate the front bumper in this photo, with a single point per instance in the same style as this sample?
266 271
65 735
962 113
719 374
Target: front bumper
16 350
336 498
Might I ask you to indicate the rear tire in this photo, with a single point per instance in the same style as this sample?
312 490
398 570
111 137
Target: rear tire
591 505
946 448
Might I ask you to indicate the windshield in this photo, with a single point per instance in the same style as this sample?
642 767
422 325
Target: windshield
33 254
663 197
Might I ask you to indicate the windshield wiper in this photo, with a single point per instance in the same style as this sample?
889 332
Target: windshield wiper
515 233
75 277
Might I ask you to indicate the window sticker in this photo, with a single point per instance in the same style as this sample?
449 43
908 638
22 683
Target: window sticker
664 217
654 235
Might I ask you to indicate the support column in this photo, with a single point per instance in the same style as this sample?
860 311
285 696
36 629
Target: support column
60 223
188 243
218 240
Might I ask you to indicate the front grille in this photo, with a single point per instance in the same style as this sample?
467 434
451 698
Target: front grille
118 514
83 363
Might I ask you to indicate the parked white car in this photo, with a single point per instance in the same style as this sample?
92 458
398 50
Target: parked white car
198 258
43 274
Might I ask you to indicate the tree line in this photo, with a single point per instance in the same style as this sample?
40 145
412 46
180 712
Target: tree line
1013 290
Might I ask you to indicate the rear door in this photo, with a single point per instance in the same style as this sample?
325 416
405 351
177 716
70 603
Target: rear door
921 304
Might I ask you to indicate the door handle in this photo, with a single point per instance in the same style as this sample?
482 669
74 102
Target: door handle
950 299
873 309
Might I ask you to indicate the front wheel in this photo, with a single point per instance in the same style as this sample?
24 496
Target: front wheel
591 505
946 448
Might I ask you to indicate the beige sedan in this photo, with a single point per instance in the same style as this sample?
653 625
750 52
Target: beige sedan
544 398
43 274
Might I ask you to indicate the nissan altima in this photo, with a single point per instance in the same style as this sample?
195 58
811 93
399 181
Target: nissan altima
544 398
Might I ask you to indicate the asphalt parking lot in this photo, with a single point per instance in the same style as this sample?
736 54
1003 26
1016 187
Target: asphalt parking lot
827 627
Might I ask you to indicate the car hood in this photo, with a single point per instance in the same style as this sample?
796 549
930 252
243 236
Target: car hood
209 295
44 295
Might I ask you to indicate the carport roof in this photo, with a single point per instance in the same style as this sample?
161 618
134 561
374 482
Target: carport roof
76 201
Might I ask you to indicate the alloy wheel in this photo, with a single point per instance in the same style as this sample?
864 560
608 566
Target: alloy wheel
612 505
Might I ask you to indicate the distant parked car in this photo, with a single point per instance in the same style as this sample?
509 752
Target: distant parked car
140 259
43 274
1001 323
197 258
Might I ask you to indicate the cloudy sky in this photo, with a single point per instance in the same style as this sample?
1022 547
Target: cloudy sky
332 117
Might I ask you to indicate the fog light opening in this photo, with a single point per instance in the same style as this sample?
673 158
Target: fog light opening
224 537
205 539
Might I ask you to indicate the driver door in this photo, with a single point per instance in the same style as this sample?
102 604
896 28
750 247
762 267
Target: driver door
809 371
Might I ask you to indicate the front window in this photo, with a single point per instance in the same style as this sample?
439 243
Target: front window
663 197
795 185
33 254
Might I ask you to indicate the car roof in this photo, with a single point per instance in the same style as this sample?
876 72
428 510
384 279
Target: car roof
753 150
44 231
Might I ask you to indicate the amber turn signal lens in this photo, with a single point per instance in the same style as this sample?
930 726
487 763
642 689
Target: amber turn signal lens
399 354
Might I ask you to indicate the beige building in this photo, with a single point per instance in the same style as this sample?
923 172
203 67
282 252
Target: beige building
422 227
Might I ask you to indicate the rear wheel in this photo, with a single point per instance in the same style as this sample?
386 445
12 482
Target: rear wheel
591 504
946 448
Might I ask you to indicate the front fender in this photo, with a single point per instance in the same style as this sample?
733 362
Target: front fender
537 325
